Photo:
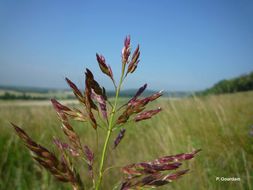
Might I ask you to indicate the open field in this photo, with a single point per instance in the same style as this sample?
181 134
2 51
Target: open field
219 125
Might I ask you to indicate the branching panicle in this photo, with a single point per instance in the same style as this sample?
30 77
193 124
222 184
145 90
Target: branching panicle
94 102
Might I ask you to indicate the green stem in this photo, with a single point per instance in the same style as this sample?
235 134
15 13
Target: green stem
109 131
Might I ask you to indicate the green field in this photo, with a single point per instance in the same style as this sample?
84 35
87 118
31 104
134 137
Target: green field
219 125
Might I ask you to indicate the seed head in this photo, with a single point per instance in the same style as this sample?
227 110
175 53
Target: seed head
126 50
47 159
106 69
146 114
90 159
134 61
151 174
119 137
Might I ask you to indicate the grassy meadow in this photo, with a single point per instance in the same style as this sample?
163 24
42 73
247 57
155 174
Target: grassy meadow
219 125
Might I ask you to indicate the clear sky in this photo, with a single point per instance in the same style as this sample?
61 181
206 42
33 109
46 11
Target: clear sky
185 45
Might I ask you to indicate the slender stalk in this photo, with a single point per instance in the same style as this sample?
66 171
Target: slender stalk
109 131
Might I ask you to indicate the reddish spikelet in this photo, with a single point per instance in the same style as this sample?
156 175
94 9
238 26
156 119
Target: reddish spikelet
148 168
106 69
143 102
77 115
102 64
138 93
89 154
47 159
76 91
147 114
66 127
130 110
88 82
60 145
151 181
64 146
134 61
58 106
101 101
110 72
93 121
119 137
59 109
177 157
64 110
126 50
149 174
176 175
71 134
155 96
91 83
89 103
90 159
135 106
160 180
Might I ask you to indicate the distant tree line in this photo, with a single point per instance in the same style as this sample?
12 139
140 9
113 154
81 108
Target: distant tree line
23 96
238 84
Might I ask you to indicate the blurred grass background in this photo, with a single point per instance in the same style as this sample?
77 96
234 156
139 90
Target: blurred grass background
219 125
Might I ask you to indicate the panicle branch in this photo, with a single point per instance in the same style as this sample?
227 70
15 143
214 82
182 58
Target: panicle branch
58 168
151 174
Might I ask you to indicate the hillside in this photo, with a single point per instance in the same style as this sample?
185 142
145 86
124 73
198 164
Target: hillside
238 84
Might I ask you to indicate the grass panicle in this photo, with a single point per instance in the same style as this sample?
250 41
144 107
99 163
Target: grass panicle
94 104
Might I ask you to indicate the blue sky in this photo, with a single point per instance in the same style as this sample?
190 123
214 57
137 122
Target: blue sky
185 45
